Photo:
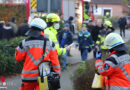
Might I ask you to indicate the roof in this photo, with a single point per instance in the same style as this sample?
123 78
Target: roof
108 1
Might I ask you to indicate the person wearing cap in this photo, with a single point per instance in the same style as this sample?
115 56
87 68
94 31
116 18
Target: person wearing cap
31 51
116 68
65 39
84 42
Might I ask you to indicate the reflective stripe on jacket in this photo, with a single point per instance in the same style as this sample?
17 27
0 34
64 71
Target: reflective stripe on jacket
31 51
52 34
116 70
100 41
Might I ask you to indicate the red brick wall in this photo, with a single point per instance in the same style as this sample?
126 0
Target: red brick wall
117 10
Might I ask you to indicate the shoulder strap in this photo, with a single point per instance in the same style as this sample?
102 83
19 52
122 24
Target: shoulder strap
44 46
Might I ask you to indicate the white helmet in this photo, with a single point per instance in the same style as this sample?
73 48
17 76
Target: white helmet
39 23
112 40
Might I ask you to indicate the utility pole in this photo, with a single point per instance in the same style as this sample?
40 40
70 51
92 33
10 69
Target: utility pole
49 6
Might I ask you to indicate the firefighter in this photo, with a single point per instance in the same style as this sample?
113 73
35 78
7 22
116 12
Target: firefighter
31 51
51 31
115 69
86 11
106 17
101 37
84 42
108 26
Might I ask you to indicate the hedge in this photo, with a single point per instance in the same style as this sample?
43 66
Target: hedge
8 11
8 64
84 75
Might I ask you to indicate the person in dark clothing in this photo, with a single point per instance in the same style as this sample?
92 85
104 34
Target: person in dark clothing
90 26
7 32
95 33
61 24
23 28
122 24
71 26
85 42
65 39
14 25
1 28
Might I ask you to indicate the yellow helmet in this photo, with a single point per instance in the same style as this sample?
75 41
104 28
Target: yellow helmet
107 13
108 23
52 17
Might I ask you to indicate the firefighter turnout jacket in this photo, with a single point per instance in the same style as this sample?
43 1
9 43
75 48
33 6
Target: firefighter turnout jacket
51 33
116 70
101 38
31 51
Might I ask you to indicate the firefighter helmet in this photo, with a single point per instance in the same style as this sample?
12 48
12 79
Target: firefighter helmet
39 23
108 23
112 40
52 17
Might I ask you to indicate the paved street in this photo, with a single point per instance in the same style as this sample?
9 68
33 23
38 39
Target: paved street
13 83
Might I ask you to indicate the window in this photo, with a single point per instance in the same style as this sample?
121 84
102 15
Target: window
105 10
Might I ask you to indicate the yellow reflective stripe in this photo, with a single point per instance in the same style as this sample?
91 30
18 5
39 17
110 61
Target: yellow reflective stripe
80 35
77 43
98 42
92 45
87 47
87 35
99 36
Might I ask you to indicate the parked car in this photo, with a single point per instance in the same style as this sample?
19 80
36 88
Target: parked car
128 21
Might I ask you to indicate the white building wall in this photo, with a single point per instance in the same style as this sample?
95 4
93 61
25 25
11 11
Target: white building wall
68 8
18 1
14 1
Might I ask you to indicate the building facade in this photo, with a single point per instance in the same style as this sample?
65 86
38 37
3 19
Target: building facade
116 8
13 1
